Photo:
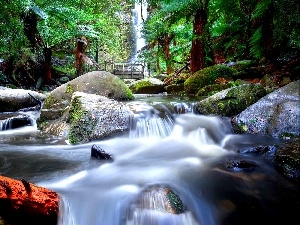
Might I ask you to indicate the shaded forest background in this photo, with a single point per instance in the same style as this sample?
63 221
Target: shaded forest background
43 41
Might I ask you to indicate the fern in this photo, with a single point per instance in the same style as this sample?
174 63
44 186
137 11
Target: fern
255 42
260 9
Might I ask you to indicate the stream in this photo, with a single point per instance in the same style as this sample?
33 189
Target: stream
182 151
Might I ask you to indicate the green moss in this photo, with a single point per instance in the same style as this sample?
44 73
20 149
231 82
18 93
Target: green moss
238 99
212 89
143 83
120 83
49 101
136 87
174 201
233 102
207 76
81 124
245 64
69 89
65 70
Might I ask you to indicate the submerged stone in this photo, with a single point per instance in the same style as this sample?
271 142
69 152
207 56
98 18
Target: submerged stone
99 153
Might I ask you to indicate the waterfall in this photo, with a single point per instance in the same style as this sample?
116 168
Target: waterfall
139 14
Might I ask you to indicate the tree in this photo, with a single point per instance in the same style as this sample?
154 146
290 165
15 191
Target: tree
170 13
39 27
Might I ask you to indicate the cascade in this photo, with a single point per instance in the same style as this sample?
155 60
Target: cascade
172 159
139 14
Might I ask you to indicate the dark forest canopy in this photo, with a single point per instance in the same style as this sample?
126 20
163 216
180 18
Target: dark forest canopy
34 33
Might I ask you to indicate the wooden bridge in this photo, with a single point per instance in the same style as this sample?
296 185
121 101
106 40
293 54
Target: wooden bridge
126 70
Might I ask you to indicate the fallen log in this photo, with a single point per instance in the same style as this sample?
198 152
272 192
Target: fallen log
23 202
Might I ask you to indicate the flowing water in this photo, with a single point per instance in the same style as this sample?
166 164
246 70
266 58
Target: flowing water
168 147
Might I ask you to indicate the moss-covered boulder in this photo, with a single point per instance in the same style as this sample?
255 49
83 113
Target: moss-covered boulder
207 76
212 89
276 114
243 64
97 82
93 117
231 101
147 86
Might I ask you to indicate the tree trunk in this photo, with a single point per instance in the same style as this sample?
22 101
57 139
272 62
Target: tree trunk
22 202
197 51
267 34
79 55
166 48
47 64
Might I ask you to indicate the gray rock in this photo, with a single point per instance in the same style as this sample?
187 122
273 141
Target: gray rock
12 100
275 115
93 117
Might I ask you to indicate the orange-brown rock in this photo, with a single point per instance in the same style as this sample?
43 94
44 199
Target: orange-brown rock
23 202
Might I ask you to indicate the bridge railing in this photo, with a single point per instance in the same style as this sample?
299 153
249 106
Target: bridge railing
126 70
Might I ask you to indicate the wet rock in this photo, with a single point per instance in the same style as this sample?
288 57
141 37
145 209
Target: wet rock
93 117
98 153
231 101
276 115
14 121
159 205
241 164
12 100
287 159
162 199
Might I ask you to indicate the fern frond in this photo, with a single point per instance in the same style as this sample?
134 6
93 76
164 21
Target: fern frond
256 49
261 9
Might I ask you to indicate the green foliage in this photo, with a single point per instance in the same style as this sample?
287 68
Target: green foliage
286 25
207 76
61 22
255 42
237 29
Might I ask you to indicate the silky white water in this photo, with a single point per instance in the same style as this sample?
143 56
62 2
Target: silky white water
186 153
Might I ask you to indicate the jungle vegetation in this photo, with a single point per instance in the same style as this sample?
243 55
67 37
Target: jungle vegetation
43 39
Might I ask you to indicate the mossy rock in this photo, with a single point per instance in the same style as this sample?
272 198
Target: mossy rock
93 117
81 124
210 90
175 88
231 101
147 86
97 82
244 64
207 76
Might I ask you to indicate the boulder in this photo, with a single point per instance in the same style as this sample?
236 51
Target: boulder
231 101
276 114
94 117
147 86
207 76
96 82
12 100
14 121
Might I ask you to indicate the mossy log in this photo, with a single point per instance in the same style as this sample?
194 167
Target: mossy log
23 202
